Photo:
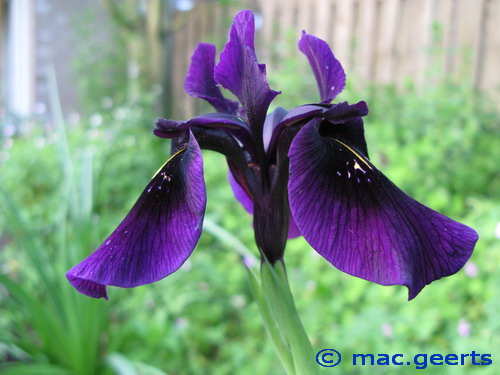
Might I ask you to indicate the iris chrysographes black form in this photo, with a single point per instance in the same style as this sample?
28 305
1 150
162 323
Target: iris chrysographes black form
299 172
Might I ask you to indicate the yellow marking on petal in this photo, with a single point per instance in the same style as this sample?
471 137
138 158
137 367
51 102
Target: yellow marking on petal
169 160
355 153
356 166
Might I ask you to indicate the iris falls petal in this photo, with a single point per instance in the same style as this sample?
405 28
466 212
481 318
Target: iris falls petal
158 234
363 224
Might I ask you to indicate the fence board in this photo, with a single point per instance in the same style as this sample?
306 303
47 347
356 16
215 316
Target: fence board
379 41
491 72
343 27
387 43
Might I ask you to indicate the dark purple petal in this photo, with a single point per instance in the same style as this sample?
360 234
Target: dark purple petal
272 120
200 81
247 203
223 121
239 71
343 111
328 72
363 224
293 229
211 120
158 234
335 114
240 194
166 128
351 132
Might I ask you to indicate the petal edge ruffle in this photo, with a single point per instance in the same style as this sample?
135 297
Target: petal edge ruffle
363 224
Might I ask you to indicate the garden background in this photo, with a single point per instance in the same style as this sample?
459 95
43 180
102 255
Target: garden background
82 85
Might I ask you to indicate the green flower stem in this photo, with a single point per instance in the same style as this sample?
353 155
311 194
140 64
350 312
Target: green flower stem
279 296
282 321
276 306
276 335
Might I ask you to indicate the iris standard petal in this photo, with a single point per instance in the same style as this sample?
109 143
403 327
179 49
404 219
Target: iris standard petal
239 71
200 81
158 234
328 72
363 224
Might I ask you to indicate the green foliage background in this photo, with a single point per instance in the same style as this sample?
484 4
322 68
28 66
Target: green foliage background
438 143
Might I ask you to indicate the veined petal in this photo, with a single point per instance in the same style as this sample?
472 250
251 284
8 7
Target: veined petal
240 194
247 203
272 120
166 128
158 234
343 111
363 224
351 132
328 72
239 71
334 113
220 121
200 81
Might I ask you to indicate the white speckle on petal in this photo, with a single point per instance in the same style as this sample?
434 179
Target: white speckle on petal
356 166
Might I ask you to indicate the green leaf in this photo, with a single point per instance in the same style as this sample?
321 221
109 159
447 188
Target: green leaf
120 364
31 369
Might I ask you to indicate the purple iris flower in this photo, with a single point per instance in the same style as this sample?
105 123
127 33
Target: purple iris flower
300 172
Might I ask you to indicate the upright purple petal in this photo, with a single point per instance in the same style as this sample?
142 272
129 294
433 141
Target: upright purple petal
239 71
158 234
363 224
200 81
328 72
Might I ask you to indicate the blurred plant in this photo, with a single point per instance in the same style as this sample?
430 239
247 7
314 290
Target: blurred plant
279 165
147 28
188 323
56 332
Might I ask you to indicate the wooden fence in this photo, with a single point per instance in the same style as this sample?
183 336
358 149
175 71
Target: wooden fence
377 41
